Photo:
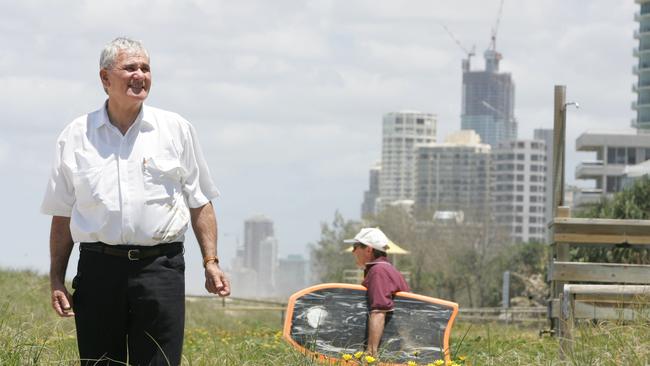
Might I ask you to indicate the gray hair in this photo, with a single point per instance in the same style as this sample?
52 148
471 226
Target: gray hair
112 49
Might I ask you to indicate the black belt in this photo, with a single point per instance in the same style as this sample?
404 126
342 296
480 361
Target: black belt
133 253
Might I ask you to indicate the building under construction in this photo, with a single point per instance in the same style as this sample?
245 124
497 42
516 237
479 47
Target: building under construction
488 101
488 96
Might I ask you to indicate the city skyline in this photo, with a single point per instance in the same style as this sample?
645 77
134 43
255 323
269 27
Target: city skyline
288 97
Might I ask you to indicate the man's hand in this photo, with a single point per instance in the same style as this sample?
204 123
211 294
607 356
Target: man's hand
216 281
62 301
60 247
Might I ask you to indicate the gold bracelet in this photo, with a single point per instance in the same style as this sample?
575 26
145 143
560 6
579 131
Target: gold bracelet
209 259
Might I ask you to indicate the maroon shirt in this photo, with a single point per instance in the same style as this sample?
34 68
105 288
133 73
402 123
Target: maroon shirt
382 281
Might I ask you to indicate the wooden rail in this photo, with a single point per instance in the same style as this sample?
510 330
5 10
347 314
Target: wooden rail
599 272
503 315
474 315
583 290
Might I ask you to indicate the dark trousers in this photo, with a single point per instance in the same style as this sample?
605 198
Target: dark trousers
129 311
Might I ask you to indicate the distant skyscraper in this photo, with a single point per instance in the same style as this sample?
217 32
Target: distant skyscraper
402 131
546 135
256 229
292 275
619 151
519 194
488 101
455 175
267 271
370 196
642 69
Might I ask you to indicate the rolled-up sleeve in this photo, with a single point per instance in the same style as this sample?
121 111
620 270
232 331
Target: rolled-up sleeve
198 187
59 193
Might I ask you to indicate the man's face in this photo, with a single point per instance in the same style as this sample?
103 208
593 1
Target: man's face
362 254
129 79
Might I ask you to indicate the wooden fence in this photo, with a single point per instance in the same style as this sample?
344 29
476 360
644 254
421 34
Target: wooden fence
474 315
590 290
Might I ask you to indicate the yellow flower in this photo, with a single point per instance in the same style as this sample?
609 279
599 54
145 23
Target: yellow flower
462 358
412 363
358 355
347 357
453 363
439 362
370 359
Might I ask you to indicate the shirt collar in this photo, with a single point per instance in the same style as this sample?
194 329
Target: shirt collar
376 261
145 116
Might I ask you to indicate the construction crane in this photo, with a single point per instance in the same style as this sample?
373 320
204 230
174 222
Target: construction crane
490 107
469 54
495 29
492 57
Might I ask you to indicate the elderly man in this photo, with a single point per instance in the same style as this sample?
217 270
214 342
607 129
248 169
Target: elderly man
127 180
381 279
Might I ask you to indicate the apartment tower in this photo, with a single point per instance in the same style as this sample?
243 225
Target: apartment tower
402 132
455 175
520 189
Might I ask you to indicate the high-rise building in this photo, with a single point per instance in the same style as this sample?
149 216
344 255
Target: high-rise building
546 135
642 69
256 229
402 132
268 267
520 189
246 282
244 277
455 175
488 101
370 196
292 275
615 152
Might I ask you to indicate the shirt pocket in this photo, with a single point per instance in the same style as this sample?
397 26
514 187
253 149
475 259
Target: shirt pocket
162 179
92 188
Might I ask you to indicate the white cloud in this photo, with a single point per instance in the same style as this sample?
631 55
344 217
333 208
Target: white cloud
4 152
411 58
33 100
290 42
287 96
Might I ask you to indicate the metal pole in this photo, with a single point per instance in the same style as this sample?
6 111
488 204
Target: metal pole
559 136
505 297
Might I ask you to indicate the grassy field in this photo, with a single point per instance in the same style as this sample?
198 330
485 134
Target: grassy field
31 334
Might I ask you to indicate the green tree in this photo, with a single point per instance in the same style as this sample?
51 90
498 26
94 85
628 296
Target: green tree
462 262
527 263
632 203
453 261
330 258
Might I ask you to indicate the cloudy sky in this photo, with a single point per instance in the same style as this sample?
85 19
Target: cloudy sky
288 96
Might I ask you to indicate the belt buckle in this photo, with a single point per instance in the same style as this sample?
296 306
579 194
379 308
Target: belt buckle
133 254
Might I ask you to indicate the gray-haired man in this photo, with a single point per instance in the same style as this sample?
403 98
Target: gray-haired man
127 180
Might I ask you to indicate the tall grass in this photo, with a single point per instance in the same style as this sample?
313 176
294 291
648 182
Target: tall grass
31 334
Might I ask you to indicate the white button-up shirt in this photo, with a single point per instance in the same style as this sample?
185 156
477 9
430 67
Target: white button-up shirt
134 188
